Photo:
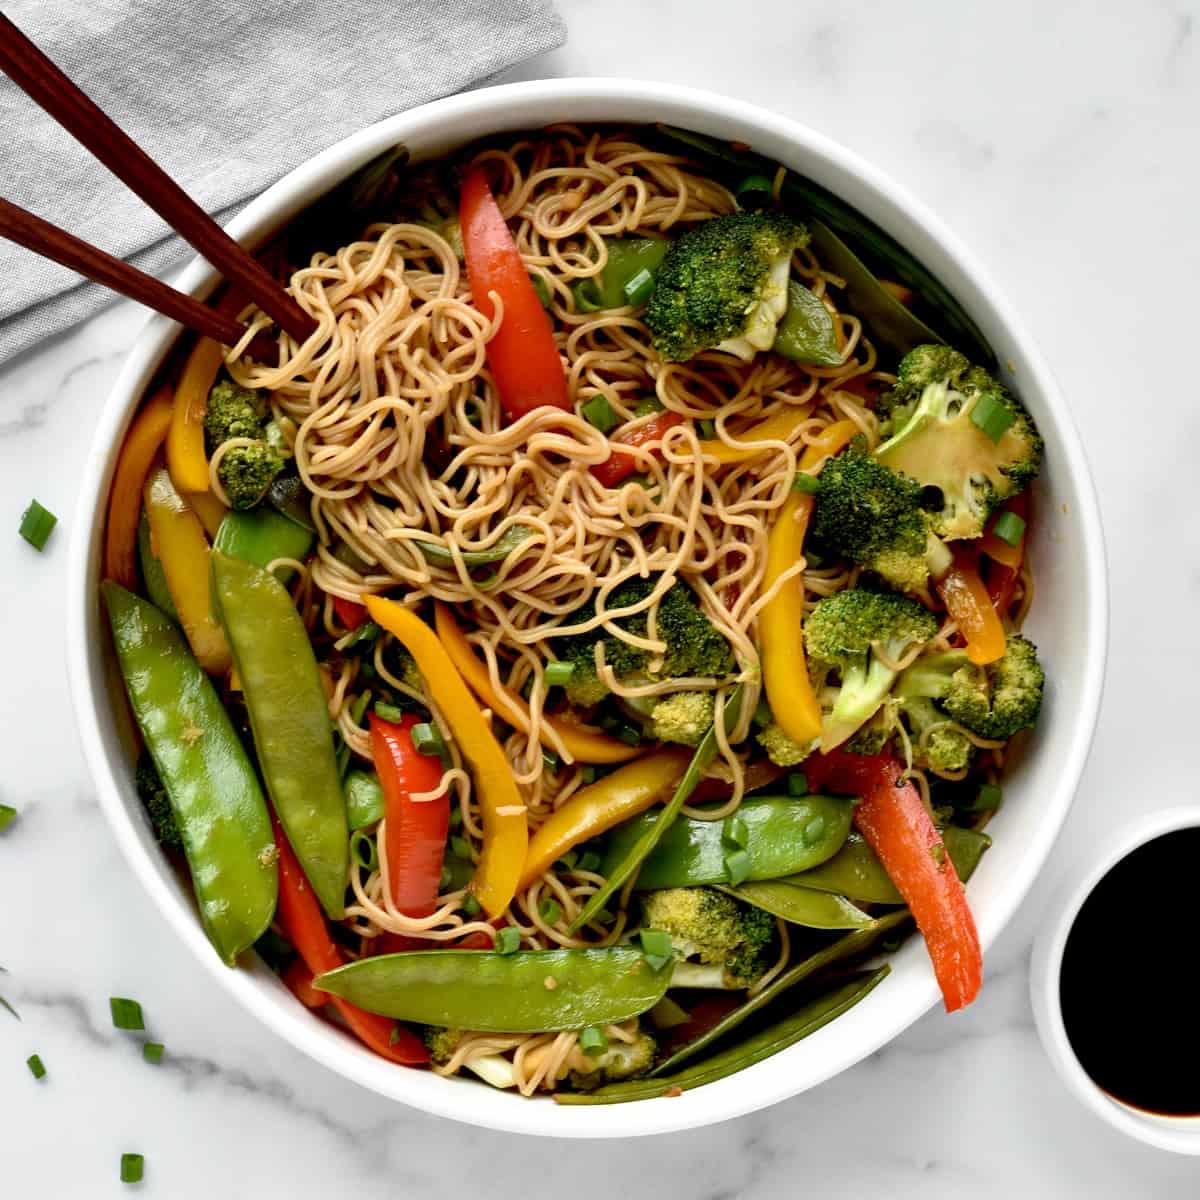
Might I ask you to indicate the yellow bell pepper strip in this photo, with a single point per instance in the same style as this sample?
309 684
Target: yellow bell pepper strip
780 427
969 605
209 509
505 829
183 551
125 497
790 694
594 810
185 441
583 745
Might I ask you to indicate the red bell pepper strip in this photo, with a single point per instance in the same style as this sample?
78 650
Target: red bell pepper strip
416 830
350 612
968 603
898 827
522 355
304 926
618 466
299 981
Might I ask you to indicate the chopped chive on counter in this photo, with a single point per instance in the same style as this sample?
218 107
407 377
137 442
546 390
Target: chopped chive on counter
153 1052
735 831
754 190
592 1041
589 861
542 288
737 865
707 429
7 816
427 739
37 523
806 484
4 1004
656 946
558 673
550 911
460 848
133 1167
508 940
598 413
36 1067
470 905
991 417
638 288
388 712
1009 528
126 1014
797 784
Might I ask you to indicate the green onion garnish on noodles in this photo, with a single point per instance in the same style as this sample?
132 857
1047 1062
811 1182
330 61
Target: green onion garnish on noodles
508 940
1009 528
541 287
707 429
991 417
558 673
460 848
126 1014
550 911
470 905
656 946
806 484
592 1041
388 712
737 865
754 190
37 523
638 288
36 1067
735 831
427 739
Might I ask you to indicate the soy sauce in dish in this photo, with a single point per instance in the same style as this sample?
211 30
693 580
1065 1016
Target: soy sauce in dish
1129 1000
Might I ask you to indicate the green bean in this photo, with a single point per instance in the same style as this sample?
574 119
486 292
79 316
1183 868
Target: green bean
801 905
290 721
153 576
210 782
262 535
785 834
761 1045
522 992
626 258
806 333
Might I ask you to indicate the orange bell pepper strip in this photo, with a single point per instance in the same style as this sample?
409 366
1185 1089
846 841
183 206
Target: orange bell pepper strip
583 745
790 694
600 806
998 549
184 553
186 458
898 827
304 925
523 358
969 605
780 427
505 828
138 450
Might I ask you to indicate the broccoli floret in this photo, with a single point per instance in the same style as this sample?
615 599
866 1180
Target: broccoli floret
937 443
622 1060
944 748
158 804
730 944
994 701
876 733
247 472
441 1043
846 633
872 516
683 717
233 412
694 645
724 285
782 749
491 1068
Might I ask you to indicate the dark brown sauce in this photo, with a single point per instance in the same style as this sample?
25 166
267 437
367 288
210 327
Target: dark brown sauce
1130 1000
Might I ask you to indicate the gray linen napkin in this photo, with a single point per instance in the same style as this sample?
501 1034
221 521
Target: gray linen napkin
227 96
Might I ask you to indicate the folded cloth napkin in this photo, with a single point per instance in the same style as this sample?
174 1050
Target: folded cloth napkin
227 97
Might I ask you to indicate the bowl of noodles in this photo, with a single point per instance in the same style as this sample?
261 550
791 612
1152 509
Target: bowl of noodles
574 690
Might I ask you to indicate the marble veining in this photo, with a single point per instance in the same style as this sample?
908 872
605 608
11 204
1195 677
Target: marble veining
1057 141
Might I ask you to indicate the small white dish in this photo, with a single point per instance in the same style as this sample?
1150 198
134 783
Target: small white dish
1179 1134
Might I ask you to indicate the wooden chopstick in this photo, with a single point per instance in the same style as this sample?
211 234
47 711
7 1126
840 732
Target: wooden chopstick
36 75
48 240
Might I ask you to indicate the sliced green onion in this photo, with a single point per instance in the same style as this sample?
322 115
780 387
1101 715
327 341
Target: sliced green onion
592 1041
991 417
629 735
797 784
445 879
508 940
989 797
598 413
637 289
368 631
656 946
456 818
152 1052
735 831
550 911
126 1014
587 295
37 523
588 774
388 712
568 861
7 816
755 190
358 709
460 848
1009 528
470 905
737 865
558 673
707 429
364 850
806 484
647 405
549 761
36 1067
541 287
589 861
427 739
133 1167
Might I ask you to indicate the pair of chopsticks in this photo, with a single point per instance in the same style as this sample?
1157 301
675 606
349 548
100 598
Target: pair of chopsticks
48 87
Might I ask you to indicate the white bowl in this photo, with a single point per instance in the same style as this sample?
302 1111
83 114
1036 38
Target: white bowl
1180 1135
1069 620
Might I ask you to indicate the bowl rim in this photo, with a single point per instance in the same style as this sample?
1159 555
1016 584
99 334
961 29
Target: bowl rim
883 199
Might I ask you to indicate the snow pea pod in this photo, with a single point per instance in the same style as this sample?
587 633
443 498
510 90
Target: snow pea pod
785 834
262 535
290 721
500 549
808 1018
210 782
806 333
801 905
855 872
525 992
627 257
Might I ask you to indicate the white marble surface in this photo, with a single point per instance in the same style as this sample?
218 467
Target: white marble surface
1059 140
